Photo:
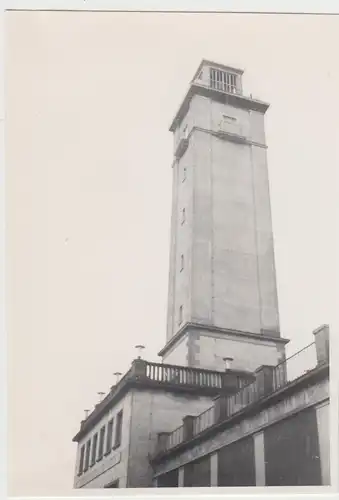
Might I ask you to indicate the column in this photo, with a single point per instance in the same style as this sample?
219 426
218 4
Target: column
259 457
188 427
323 423
214 469
322 339
181 480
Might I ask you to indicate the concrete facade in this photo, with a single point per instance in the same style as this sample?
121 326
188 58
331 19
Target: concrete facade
314 396
113 466
145 414
221 222
152 413
207 349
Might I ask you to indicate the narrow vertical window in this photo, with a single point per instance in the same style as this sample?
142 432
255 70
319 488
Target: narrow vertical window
182 262
118 430
87 456
183 216
181 311
184 171
109 437
101 442
94 449
81 460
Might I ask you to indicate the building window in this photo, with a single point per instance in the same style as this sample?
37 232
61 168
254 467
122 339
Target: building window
184 171
94 449
182 262
181 314
183 216
118 430
81 461
101 443
88 451
223 80
109 437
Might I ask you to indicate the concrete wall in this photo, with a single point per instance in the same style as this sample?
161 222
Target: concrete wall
323 420
233 280
178 355
114 465
310 397
248 353
229 277
181 244
153 412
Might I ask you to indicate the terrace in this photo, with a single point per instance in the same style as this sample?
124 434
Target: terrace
170 378
269 380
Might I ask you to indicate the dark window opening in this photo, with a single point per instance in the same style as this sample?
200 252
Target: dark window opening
198 473
94 449
118 430
168 480
101 443
222 80
88 451
81 461
109 437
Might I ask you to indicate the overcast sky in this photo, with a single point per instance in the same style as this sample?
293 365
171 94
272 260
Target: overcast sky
89 100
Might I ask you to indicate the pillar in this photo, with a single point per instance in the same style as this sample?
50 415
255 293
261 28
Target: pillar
323 424
264 380
139 368
188 427
181 479
214 469
259 457
322 343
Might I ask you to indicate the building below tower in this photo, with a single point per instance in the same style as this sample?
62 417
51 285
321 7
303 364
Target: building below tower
174 426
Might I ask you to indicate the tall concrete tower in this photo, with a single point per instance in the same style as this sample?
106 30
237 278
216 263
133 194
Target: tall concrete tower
222 300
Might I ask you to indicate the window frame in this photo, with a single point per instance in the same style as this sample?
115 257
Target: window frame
81 460
109 436
118 430
181 314
94 449
102 434
87 454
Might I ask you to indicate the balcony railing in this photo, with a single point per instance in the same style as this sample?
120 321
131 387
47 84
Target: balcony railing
269 379
147 372
159 372
204 420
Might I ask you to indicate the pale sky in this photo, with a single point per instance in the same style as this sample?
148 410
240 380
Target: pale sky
89 98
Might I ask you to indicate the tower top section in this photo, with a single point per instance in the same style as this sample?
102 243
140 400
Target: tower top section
221 83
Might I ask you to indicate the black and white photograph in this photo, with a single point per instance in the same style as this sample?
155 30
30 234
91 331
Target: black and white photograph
170 250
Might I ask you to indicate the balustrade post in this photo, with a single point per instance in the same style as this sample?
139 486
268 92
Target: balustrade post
188 427
322 344
162 441
139 368
229 381
264 380
219 409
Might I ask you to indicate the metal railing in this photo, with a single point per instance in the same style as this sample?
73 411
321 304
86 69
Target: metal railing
295 366
268 381
204 420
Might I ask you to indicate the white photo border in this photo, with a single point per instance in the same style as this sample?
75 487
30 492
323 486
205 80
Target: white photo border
314 7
